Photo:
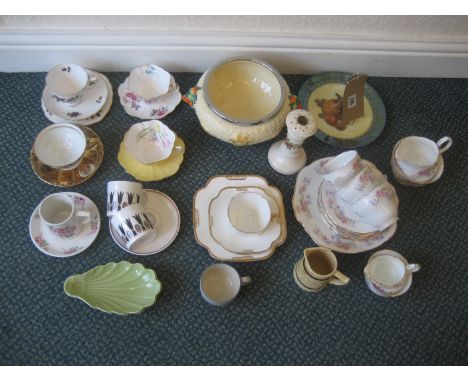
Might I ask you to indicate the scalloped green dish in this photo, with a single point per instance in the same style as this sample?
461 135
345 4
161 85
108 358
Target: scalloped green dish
121 288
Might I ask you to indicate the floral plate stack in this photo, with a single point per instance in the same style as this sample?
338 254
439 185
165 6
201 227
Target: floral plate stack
149 92
345 203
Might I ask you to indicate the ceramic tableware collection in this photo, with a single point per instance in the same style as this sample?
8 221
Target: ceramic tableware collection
149 92
343 202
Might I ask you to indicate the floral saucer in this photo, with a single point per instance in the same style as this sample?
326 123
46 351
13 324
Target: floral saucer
201 219
235 241
92 101
308 214
152 171
95 118
144 109
51 245
167 224
90 163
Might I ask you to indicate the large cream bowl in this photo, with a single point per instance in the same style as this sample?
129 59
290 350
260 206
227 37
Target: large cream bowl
242 101
244 91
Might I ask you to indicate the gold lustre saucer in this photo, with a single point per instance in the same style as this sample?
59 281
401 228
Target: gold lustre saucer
90 163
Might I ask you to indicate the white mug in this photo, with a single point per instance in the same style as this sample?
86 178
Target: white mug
66 82
220 284
60 146
388 271
135 226
122 193
417 157
59 214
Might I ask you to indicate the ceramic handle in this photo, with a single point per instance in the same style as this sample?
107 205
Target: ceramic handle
176 149
92 81
413 267
144 198
444 144
84 214
245 280
339 279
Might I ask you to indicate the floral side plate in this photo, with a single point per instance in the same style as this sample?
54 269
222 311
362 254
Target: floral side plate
201 217
152 171
95 118
51 245
167 224
307 213
121 288
321 93
143 109
92 101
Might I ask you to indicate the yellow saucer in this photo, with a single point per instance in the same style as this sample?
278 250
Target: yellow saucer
152 171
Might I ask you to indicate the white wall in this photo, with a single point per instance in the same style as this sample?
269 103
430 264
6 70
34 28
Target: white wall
420 46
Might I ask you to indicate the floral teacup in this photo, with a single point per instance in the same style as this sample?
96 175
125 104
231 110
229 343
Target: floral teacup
340 169
364 182
149 81
59 214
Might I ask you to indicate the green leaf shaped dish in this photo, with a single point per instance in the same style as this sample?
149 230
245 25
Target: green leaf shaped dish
120 288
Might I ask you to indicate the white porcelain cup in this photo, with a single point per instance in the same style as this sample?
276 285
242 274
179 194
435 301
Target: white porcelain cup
388 271
59 214
66 82
60 146
360 185
340 169
150 141
378 208
417 157
149 81
122 193
220 284
135 225
249 212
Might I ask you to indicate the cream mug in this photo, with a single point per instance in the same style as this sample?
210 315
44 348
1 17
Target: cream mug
417 157
60 215
318 268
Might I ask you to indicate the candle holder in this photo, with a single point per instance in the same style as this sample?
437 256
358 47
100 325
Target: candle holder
288 156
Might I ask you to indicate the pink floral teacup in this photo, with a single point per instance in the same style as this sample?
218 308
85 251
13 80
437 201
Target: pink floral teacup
342 168
59 214
364 182
379 207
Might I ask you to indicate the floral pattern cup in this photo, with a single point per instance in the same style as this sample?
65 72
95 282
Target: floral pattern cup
59 213
135 226
364 182
379 207
340 169
149 81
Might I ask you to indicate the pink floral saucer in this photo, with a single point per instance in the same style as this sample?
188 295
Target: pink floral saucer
51 245
308 214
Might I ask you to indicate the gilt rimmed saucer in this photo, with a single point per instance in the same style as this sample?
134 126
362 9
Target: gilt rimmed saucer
233 240
92 101
308 214
167 224
201 226
381 293
51 245
88 166
143 109
95 118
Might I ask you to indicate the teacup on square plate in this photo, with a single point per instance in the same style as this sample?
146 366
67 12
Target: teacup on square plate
230 238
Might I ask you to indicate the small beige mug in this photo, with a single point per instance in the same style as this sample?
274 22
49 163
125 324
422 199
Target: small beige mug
318 268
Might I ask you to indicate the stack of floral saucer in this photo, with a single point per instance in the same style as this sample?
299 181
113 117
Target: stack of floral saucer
94 103
350 208
149 92
217 231
151 151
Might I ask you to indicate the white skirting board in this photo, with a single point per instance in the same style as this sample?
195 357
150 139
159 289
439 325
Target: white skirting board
26 51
